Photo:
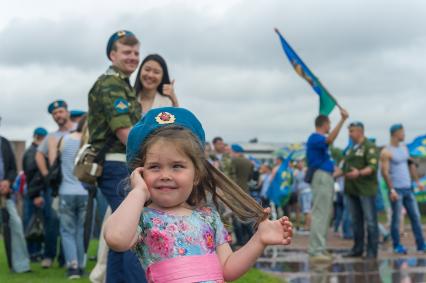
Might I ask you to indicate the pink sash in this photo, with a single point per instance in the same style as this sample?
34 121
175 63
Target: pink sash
186 269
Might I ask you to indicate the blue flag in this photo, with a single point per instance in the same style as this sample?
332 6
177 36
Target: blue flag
417 147
327 101
280 189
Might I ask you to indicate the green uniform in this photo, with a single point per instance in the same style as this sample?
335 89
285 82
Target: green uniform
243 169
359 157
112 105
227 167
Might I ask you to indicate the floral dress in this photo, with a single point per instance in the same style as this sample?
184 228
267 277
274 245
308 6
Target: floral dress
165 236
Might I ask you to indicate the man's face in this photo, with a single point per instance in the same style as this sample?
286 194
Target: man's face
400 135
61 116
356 133
125 57
219 146
327 127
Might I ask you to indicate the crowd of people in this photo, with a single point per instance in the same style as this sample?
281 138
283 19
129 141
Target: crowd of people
356 174
175 206
55 211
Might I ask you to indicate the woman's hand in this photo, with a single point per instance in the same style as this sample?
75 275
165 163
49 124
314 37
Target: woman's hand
277 232
138 184
169 90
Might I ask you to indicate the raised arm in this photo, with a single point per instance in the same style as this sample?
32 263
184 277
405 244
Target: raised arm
335 132
121 227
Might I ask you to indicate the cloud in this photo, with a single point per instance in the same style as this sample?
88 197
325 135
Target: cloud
227 62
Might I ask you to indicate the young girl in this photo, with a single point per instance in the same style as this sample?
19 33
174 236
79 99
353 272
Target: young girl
169 216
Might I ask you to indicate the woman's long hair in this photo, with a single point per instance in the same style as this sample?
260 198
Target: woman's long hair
209 181
165 80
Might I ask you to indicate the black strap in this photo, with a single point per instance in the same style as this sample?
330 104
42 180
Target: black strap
100 157
58 150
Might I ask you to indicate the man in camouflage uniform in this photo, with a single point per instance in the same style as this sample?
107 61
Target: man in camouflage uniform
113 110
222 153
360 171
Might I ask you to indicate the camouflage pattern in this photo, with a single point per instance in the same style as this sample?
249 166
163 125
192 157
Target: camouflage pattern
113 104
365 155
227 167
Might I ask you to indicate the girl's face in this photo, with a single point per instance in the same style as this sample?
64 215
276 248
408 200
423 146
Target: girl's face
169 175
151 75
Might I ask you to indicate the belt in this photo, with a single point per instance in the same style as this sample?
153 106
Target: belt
115 157
184 269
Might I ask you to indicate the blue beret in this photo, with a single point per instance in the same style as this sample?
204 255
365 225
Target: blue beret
356 124
56 104
160 117
40 132
395 127
77 113
237 148
116 36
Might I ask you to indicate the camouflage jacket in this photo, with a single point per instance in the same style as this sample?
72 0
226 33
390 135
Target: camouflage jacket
113 104
359 157
227 167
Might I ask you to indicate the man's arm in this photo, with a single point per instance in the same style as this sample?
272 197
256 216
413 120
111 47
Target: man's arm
385 163
41 163
10 169
414 174
122 134
335 132
385 158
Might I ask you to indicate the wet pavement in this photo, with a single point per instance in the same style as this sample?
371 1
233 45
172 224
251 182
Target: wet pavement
292 264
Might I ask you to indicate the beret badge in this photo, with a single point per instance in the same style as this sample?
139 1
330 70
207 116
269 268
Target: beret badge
121 33
165 118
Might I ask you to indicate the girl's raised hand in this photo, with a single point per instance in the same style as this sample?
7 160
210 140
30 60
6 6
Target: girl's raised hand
276 232
137 183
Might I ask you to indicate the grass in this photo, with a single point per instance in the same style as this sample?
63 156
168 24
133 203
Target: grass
57 275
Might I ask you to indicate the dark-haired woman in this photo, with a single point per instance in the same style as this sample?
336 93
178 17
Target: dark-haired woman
153 85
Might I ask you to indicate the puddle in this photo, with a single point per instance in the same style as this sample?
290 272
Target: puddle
364 278
407 270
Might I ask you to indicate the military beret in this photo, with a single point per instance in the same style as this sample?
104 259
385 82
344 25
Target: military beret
161 117
76 113
356 124
237 148
40 132
56 104
395 127
116 36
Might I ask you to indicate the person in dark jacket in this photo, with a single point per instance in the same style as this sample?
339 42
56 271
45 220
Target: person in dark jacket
243 172
31 170
19 256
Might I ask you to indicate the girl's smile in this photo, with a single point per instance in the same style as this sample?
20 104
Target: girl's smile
169 175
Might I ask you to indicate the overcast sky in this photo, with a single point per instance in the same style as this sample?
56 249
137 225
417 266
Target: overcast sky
227 61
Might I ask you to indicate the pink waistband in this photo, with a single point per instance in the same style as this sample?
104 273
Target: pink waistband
186 269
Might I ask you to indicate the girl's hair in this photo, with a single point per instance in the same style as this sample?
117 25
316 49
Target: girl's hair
165 80
209 181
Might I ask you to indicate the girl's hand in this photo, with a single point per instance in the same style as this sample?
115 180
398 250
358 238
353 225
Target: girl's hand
277 232
138 184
